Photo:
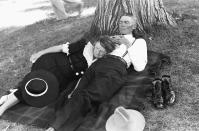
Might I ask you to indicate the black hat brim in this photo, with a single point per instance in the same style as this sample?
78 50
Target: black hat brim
51 94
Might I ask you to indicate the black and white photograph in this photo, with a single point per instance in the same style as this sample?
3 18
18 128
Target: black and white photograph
99 65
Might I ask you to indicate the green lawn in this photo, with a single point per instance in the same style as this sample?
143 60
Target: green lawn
180 43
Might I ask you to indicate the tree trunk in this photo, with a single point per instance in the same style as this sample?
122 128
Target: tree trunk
148 12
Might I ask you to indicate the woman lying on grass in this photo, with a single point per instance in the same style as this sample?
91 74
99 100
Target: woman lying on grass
62 68
69 61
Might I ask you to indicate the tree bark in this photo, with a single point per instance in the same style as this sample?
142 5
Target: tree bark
148 13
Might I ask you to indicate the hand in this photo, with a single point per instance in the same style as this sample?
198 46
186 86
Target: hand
117 37
121 39
65 48
35 56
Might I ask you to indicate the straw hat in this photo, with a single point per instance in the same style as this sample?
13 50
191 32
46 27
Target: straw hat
125 120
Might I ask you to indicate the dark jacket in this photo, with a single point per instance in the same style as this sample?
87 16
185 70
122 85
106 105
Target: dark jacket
66 68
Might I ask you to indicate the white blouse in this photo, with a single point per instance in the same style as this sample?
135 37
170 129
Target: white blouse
87 52
137 53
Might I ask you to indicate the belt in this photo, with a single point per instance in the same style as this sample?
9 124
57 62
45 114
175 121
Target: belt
71 63
117 57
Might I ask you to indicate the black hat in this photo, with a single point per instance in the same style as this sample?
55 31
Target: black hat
40 88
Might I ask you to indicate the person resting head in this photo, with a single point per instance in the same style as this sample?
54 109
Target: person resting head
104 45
40 88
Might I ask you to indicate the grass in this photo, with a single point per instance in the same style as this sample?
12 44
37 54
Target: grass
180 43
17 47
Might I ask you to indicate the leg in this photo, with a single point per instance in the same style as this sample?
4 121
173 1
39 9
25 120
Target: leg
11 101
59 9
80 8
78 4
74 108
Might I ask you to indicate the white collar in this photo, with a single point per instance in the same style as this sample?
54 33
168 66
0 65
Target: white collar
129 37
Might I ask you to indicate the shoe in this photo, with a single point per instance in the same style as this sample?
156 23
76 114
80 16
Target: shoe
168 92
13 90
4 98
157 97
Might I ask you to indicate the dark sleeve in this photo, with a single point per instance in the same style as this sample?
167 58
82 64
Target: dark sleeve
138 34
18 94
77 46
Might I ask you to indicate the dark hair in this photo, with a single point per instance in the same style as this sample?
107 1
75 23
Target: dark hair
108 43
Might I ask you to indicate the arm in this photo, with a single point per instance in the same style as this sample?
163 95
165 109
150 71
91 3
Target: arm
77 46
138 54
66 48
53 49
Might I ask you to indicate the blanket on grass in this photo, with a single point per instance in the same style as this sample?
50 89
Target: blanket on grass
133 95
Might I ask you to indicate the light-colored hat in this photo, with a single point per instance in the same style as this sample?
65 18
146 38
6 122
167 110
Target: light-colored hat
125 120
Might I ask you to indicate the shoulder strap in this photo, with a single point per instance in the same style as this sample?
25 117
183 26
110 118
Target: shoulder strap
127 50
